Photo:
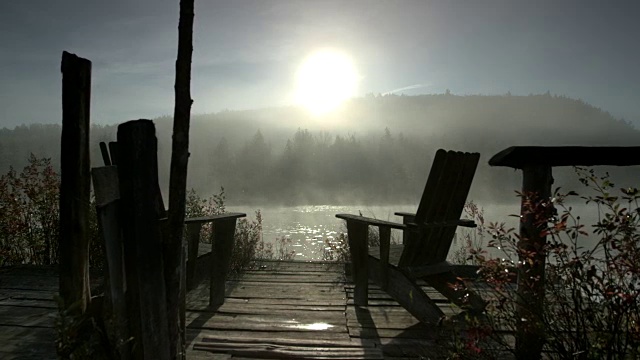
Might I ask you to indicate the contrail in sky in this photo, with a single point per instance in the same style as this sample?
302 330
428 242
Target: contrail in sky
410 87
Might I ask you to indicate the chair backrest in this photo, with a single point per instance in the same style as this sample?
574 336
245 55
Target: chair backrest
110 157
440 208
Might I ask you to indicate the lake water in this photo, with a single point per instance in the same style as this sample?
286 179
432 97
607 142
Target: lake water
309 226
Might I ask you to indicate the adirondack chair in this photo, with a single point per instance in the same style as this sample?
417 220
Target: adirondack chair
222 236
428 235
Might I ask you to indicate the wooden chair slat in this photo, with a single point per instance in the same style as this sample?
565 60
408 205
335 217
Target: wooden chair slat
455 207
431 242
428 235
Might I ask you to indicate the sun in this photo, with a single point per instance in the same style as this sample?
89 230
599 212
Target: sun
325 80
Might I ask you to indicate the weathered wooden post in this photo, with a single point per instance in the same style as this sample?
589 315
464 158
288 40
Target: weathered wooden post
175 246
75 186
534 209
138 176
536 163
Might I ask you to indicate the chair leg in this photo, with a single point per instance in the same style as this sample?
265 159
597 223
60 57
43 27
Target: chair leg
357 233
221 250
407 293
193 242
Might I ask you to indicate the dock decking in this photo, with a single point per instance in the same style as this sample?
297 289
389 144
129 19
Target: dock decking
279 310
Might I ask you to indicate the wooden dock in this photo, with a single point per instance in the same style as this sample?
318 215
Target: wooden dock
279 310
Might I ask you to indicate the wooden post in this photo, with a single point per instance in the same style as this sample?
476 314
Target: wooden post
138 175
407 218
73 250
222 239
357 235
536 190
174 246
107 192
536 163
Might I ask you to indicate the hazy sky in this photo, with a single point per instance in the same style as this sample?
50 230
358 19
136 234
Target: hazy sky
246 52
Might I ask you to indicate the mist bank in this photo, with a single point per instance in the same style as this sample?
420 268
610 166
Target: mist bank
374 150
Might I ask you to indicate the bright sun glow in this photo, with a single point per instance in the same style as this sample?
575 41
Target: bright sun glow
325 80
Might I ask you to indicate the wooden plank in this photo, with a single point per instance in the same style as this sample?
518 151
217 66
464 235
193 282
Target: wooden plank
320 280
107 193
455 206
346 342
520 157
41 283
266 323
138 172
26 316
28 349
262 334
75 186
274 351
231 307
28 335
29 303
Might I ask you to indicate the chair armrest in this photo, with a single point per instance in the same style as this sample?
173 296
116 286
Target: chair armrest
461 222
214 218
404 214
371 221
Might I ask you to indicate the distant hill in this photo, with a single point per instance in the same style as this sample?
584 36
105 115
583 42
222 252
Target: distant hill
376 149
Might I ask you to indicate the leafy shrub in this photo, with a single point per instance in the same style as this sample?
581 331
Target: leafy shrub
591 308
29 224
472 240
248 242
30 212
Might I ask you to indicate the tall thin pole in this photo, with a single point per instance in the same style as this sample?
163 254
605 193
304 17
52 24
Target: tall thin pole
174 253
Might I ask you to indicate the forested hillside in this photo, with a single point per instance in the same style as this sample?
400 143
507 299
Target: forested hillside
375 150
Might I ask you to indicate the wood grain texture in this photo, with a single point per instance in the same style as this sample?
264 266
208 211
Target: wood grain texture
137 169
75 182
317 320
